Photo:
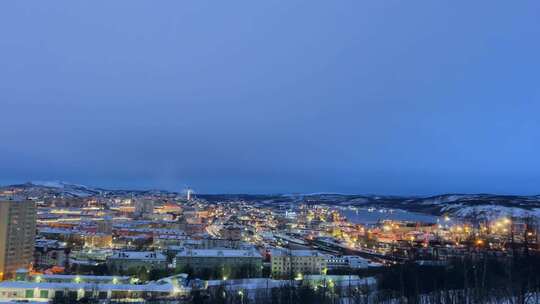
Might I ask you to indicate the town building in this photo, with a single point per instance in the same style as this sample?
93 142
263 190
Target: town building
92 287
144 208
50 253
232 232
105 225
346 262
17 236
97 240
228 261
131 260
297 262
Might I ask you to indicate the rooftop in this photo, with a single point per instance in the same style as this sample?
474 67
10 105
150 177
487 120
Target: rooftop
219 253
138 255
86 286
297 253
82 277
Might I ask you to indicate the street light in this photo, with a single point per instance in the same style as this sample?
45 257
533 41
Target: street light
241 294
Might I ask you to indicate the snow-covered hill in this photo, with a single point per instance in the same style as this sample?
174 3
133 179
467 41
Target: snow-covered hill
479 206
458 205
63 188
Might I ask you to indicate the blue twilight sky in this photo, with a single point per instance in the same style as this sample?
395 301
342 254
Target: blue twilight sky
371 96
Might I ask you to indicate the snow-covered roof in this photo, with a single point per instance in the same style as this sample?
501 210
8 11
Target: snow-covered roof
342 279
230 253
247 284
297 253
82 277
155 287
138 255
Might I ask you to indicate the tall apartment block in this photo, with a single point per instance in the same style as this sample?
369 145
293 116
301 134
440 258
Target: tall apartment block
17 236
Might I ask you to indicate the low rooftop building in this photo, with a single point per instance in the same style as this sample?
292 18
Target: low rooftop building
173 287
129 260
226 261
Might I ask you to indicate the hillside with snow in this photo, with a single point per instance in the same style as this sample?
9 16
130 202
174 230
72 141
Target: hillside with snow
68 190
477 206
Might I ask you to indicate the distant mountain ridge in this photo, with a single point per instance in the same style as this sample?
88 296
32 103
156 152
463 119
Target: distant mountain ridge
480 206
460 205
69 190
